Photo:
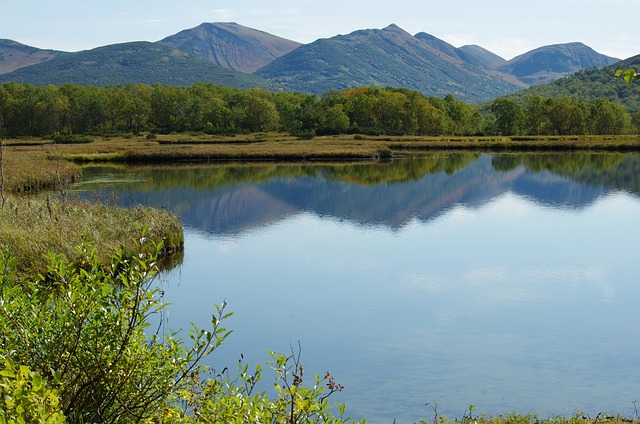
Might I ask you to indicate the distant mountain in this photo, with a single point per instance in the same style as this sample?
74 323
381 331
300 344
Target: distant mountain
228 54
591 84
482 56
14 55
470 55
231 45
132 63
386 57
549 63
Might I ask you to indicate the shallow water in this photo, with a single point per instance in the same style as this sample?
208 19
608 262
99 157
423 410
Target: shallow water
506 282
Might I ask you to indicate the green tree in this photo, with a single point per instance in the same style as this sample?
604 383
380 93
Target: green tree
424 116
463 119
608 118
635 121
536 116
509 116
360 107
567 116
88 108
168 108
260 113
335 120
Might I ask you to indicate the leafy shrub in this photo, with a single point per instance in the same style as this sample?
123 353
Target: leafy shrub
25 397
86 328
306 135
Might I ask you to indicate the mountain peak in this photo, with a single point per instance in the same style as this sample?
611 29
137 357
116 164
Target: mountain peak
383 57
391 27
231 45
395 29
551 62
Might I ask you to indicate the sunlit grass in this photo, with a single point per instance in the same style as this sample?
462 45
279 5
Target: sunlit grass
32 226
31 168
170 148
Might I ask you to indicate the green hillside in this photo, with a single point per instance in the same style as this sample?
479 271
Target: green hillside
386 57
14 55
591 84
132 63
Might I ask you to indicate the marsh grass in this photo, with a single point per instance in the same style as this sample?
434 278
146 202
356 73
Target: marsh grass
32 226
534 419
30 168
172 148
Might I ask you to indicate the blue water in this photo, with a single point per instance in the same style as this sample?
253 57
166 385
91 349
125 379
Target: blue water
512 290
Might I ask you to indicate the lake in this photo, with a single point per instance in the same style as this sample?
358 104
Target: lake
510 282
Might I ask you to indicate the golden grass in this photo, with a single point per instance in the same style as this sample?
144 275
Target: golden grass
269 146
32 226
32 168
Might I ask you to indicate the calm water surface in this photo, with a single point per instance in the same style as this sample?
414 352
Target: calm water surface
506 282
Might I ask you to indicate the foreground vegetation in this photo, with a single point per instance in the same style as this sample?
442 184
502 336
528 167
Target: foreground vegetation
77 345
31 227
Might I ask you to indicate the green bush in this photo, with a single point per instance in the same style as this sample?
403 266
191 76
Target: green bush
26 398
86 328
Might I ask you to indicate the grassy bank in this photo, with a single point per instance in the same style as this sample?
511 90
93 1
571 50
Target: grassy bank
283 147
32 226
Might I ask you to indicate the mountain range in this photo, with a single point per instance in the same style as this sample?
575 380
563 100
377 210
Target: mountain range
236 56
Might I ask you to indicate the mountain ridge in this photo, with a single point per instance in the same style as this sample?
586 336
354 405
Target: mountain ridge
383 57
548 63
138 62
224 53
230 45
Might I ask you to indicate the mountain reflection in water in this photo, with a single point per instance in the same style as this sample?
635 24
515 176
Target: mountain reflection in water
232 199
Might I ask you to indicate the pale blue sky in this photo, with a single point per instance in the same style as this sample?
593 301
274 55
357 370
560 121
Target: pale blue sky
506 27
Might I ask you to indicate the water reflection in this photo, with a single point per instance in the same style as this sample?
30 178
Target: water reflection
508 281
232 199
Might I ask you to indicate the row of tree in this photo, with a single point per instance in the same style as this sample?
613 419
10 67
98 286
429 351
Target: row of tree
562 116
72 109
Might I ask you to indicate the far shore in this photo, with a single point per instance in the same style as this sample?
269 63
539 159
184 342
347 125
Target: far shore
156 148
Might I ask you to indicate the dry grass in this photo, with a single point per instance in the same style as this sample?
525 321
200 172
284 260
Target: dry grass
36 167
32 226
275 146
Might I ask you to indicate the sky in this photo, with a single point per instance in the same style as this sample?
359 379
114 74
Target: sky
505 27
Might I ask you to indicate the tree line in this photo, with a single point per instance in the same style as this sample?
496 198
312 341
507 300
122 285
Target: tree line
562 116
27 110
